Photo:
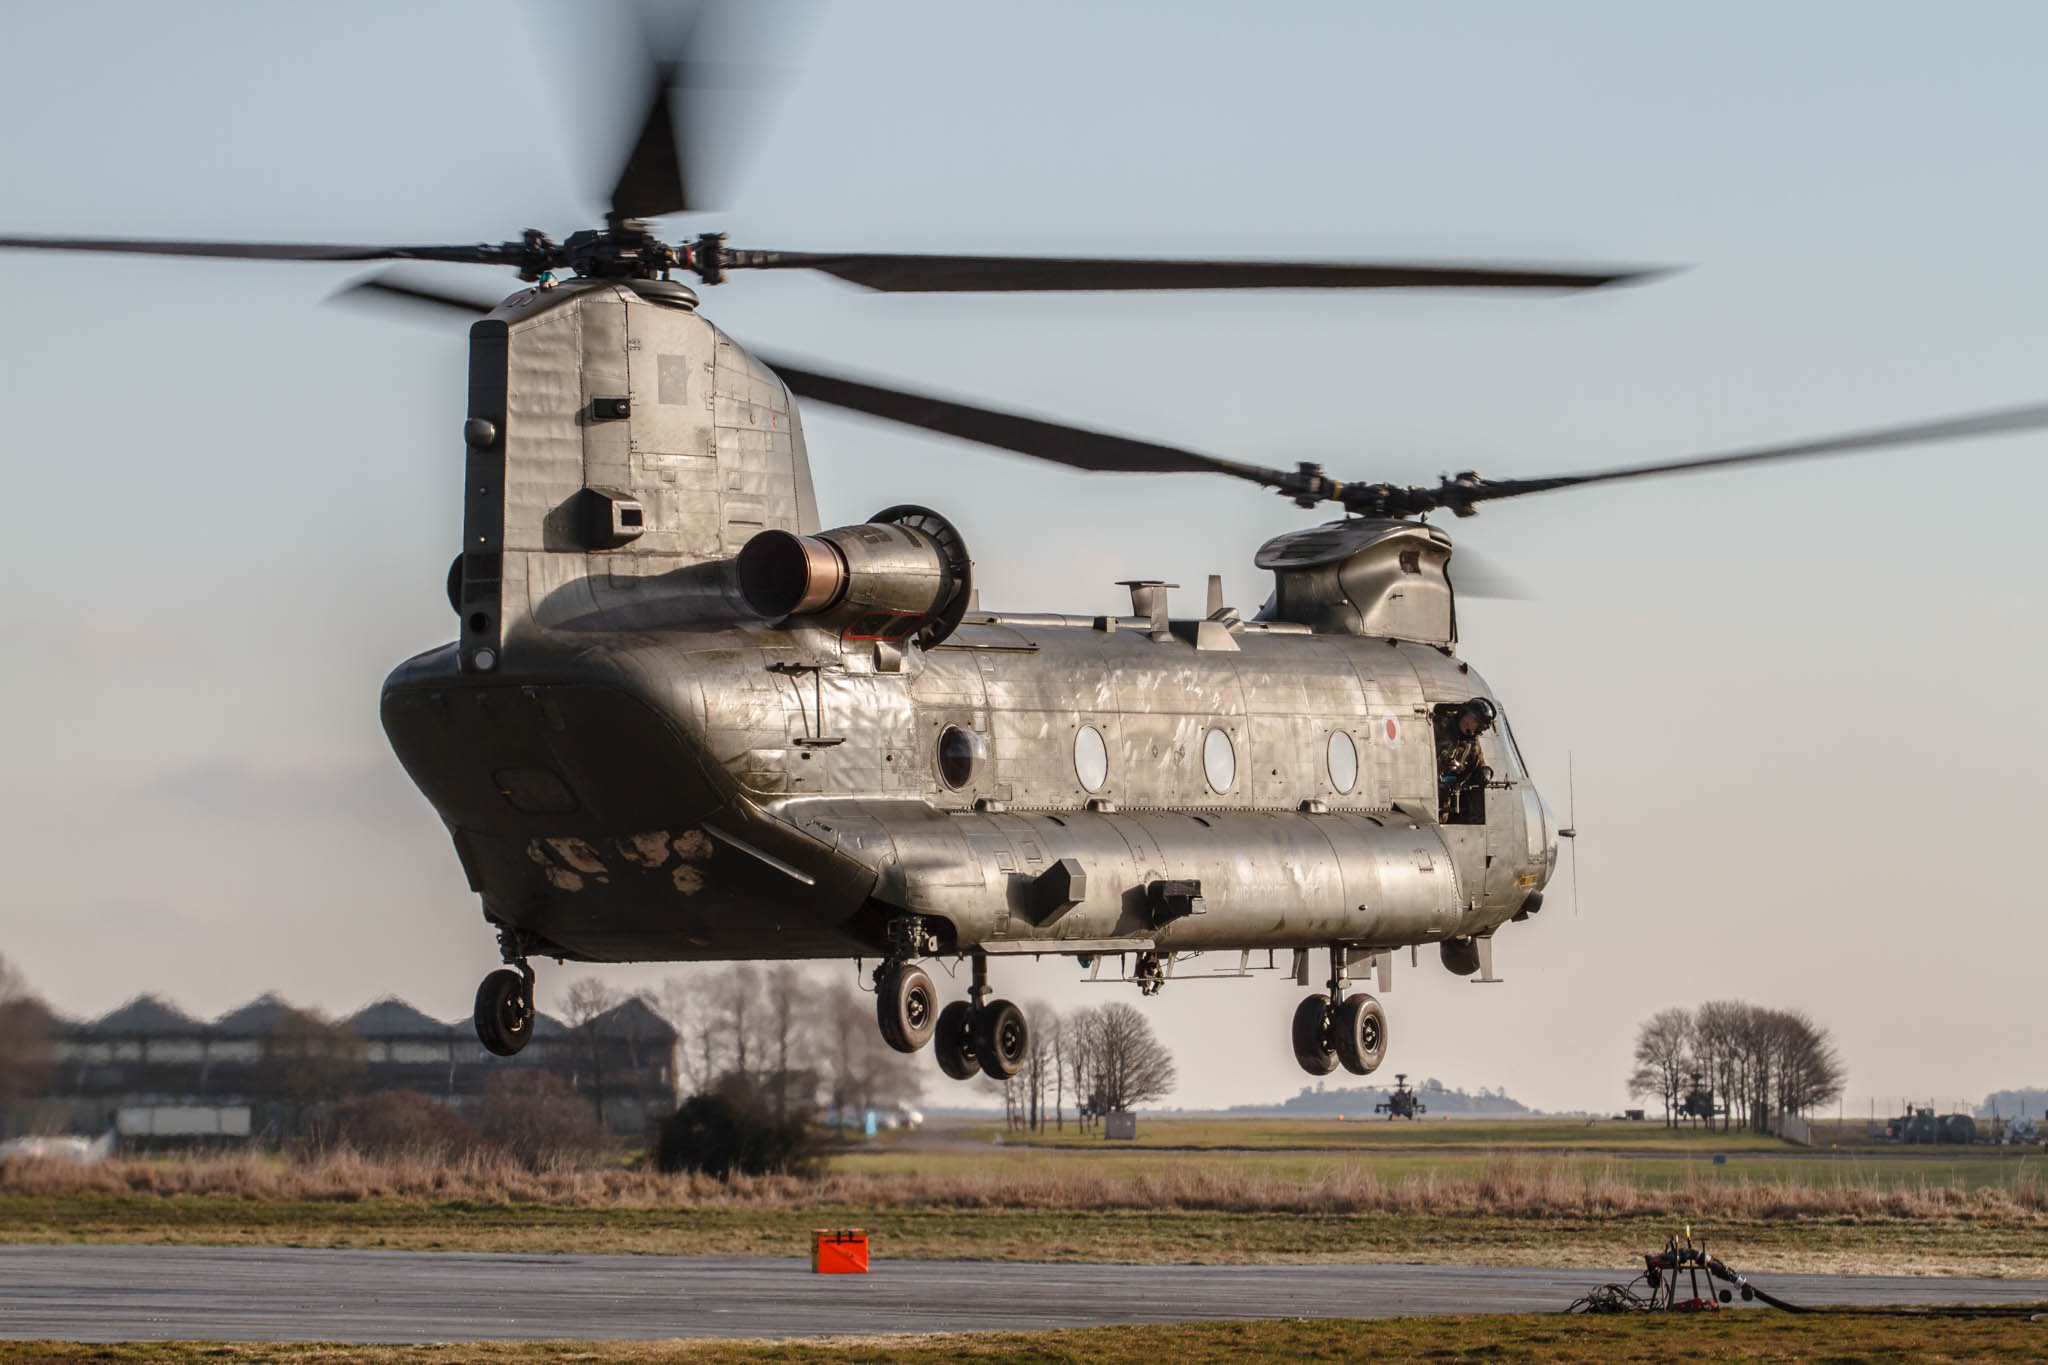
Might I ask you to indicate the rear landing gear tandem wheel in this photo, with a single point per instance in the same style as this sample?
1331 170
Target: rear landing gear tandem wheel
1001 1040
953 1041
504 1011
980 1034
1359 1033
1312 1018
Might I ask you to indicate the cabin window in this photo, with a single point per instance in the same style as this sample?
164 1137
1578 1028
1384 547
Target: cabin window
1219 761
960 754
1091 758
1343 761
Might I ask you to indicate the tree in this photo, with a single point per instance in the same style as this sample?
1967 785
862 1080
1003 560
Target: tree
28 1035
1760 1062
538 1118
310 1060
862 1071
786 1032
1663 1058
586 1004
1127 1064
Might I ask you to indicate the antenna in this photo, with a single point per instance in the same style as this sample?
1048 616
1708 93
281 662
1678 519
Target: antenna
1571 831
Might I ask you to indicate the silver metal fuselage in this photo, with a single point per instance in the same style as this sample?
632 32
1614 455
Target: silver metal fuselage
634 767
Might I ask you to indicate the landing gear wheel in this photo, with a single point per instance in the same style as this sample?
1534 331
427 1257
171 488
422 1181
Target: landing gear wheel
1312 1036
906 1006
504 1012
1001 1038
1360 1035
953 1041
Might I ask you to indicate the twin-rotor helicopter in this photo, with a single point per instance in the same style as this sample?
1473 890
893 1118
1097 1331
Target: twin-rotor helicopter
681 721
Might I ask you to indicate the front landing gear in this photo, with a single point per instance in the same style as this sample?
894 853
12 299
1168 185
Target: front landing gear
979 1034
504 1010
906 1005
1334 1029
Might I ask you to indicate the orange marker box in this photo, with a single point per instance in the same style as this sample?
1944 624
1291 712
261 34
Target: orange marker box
840 1251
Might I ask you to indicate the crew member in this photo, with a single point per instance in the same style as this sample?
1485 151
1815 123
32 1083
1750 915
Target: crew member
1460 766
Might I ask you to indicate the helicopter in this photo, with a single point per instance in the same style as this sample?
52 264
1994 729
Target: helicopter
1401 1102
683 720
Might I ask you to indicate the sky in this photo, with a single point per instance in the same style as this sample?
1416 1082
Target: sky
1801 705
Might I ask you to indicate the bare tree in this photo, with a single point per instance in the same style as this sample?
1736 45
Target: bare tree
1129 1065
862 1071
1761 1062
1663 1058
787 1030
736 1004
1039 1064
27 1037
309 1060
587 1002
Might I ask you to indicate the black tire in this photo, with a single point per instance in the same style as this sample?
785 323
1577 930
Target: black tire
1360 1033
504 1012
1312 1036
1002 1039
906 1006
953 1041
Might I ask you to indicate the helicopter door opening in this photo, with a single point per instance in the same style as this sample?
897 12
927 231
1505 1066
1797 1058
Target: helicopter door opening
1462 773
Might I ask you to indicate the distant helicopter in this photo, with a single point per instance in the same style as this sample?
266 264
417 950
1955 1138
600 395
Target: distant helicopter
1401 1101
681 722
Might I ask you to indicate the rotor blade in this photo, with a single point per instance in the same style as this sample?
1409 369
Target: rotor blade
481 253
1474 575
950 274
1073 446
650 184
1947 429
386 290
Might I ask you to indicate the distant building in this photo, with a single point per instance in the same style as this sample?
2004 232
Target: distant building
154 1072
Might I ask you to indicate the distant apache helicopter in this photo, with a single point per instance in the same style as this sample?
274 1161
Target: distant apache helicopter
680 722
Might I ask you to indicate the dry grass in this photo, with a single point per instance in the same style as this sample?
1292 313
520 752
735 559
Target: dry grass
1653 1339
1507 1186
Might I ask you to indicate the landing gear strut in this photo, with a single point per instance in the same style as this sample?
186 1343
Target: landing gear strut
1334 1029
991 1036
504 1002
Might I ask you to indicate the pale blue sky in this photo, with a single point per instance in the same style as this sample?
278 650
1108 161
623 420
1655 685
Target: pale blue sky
1803 703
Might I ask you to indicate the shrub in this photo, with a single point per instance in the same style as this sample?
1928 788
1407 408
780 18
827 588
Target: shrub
537 1117
720 1137
396 1122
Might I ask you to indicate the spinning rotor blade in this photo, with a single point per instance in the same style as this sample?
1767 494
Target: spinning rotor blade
892 273
480 253
1074 446
650 184
387 290
1460 493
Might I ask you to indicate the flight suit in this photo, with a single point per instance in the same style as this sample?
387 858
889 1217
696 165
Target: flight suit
1459 764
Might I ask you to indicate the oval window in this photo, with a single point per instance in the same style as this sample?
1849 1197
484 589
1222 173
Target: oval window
1219 761
960 752
1343 761
1091 758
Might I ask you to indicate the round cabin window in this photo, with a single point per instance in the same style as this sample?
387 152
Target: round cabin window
1091 758
960 753
1343 761
1219 761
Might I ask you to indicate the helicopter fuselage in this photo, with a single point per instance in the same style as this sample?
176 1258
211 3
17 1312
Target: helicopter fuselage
1032 784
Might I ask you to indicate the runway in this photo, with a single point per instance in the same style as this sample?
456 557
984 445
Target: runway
129 1293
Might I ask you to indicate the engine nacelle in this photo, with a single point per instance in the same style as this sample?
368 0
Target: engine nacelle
902 573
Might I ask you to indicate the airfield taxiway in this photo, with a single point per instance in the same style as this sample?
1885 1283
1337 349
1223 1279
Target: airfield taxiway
128 1293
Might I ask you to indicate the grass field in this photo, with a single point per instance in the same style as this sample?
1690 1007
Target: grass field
1378 1134
1494 1193
1753 1335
